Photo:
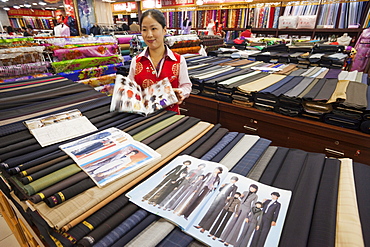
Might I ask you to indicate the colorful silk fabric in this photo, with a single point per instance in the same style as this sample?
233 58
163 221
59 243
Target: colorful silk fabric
83 63
87 73
23 69
84 52
99 81
20 58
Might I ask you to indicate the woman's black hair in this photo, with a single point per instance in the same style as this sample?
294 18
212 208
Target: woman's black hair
156 15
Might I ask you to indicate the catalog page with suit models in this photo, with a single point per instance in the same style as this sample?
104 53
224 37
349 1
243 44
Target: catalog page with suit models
215 206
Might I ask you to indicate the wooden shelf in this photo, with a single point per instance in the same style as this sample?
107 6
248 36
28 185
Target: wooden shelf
308 135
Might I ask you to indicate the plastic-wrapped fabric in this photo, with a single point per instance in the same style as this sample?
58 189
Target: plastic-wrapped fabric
288 22
87 73
13 79
9 59
84 52
306 21
124 40
83 63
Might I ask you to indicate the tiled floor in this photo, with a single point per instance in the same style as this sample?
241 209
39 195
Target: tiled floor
6 236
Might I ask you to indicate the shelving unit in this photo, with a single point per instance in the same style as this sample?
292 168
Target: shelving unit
282 130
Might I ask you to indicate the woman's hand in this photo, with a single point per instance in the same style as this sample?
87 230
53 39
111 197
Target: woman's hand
179 95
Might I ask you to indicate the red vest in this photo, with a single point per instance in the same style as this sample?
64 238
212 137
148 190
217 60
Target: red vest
145 74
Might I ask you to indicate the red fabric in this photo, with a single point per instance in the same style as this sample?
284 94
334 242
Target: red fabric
238 41
145 74
246 34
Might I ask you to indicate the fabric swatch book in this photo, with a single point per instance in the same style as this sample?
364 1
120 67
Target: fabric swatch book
213 205
128 96
109 154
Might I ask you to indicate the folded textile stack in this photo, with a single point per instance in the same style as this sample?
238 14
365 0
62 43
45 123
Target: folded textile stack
211 42
350 100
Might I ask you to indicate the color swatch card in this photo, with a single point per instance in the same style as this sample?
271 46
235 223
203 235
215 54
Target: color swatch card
128 96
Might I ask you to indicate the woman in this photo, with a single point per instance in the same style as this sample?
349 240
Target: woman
231 232
157 61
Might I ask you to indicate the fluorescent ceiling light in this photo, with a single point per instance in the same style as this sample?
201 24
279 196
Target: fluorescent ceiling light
21 6
42 3
34 3
6 8
16 7
4 1
27 5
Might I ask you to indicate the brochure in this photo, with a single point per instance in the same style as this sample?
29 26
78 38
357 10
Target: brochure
128 96
109 155
59 127
213 205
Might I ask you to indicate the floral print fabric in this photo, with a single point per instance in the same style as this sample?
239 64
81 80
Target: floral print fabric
87 73
84 63
84 52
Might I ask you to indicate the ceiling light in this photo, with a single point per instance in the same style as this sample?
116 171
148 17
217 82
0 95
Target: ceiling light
27 5
34 3
50 8
4 1
16 7
6 8
21 6
61 6
42 3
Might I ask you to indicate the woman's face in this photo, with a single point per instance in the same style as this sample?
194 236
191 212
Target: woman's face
251 189
152 32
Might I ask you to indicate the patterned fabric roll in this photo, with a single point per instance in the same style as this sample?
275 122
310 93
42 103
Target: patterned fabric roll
99 81
83 63
51 179
69 192
87 73
84 52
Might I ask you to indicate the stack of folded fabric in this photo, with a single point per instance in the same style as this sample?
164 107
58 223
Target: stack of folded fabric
350 98
365 125
248 90
184 44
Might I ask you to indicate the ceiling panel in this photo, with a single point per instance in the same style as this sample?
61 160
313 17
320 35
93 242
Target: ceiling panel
11 3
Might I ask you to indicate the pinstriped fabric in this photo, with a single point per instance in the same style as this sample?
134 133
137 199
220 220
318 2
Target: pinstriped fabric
256 172
348 230
157 127
202 143
122 229
362 174
251 157
303 200
151 235
322 233
176 238
213 140
136 230
219 146
237 152
227 148
108 225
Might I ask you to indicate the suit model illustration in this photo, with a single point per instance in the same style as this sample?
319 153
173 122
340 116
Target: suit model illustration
171 175
231 233
232 206
252 222
179 193
226 191
270 214
211 181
